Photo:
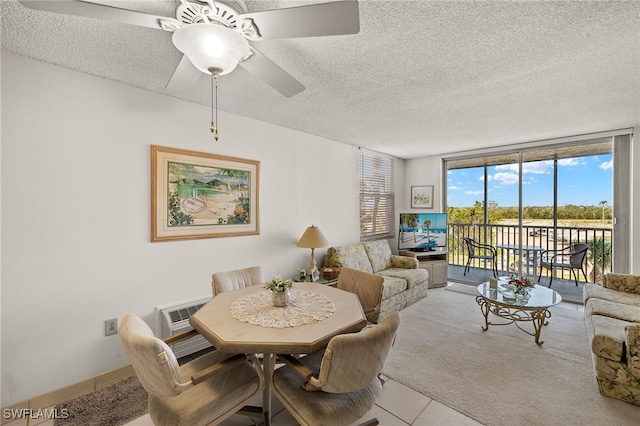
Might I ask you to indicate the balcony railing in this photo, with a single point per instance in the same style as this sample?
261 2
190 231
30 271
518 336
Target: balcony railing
598 259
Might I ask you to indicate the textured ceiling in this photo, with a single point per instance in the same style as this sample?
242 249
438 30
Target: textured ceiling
420 78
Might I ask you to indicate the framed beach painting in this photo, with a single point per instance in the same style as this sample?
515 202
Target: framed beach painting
202 195
422 197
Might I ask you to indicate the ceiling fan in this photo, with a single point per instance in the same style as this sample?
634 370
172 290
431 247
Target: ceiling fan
199 21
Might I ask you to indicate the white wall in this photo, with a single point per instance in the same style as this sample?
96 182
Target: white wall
76 244
420 172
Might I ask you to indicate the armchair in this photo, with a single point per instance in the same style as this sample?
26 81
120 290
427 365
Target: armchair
476 250
339 385
571 257
239 278
204 391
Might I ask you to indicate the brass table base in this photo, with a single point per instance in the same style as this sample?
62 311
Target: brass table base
514 314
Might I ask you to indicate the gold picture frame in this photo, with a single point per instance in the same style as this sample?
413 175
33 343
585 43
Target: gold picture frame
201 195
422 197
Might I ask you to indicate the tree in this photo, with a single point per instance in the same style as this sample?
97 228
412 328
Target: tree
427 224
458 215
599 256
604 204
177 217
477 212
410 220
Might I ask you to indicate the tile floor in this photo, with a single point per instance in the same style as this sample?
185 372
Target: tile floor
398 406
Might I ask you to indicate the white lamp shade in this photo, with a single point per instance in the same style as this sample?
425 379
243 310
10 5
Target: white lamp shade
211 45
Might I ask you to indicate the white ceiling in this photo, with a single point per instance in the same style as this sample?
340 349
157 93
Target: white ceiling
420 78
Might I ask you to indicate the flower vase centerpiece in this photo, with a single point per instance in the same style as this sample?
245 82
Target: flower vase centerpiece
521 286
279 290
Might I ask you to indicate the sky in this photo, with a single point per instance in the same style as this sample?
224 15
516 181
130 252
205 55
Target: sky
582 181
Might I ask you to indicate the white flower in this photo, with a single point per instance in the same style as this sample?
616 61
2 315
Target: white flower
277 285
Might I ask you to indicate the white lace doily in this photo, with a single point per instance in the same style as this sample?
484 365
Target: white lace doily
304 307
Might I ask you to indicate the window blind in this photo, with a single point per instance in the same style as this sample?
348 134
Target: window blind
377 198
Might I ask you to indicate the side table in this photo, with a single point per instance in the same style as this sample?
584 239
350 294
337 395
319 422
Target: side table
435 262
332 282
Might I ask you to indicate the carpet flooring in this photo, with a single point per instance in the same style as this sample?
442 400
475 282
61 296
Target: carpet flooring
500 376
469 289
113 405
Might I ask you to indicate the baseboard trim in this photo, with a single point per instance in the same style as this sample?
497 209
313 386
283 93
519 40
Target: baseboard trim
53 398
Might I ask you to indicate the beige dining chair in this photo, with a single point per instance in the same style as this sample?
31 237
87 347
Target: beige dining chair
339 385
368 288
236 279
204 391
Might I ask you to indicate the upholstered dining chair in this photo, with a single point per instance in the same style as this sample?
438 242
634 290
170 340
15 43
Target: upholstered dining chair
368 287
572 257
204 391
339 385
476 250
236 279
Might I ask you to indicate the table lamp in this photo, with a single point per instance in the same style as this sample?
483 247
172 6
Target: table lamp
312 238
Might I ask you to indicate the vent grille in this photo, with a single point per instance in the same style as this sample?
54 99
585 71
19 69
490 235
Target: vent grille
184 313
174 318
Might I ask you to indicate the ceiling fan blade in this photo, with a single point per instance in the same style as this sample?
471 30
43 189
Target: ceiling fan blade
184 77
272 74
97 11
337 18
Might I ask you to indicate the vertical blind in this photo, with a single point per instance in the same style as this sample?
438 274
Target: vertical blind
377 198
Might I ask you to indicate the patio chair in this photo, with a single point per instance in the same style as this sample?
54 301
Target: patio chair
572 257
480 251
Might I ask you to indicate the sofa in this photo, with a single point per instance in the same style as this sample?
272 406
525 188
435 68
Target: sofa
404 282
612 315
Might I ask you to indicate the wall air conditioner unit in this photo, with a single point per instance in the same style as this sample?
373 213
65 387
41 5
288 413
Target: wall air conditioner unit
174 318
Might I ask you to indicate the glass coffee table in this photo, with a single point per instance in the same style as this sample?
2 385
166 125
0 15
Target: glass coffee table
502 303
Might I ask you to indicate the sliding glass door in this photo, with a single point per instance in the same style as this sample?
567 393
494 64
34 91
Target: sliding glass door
530 201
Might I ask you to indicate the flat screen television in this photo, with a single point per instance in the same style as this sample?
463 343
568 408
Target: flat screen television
422 231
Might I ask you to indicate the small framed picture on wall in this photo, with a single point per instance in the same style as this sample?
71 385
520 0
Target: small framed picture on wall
422 197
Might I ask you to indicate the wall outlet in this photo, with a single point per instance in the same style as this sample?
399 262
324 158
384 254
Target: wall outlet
111 326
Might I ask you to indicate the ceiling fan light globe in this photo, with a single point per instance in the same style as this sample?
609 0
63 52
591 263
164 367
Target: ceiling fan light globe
211 46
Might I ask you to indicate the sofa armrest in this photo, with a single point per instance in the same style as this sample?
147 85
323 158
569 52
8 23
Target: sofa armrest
622 282
404 262
632 336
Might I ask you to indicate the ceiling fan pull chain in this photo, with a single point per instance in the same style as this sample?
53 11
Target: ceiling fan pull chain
214 105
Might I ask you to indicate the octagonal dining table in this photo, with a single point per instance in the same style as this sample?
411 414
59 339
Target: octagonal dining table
219 325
